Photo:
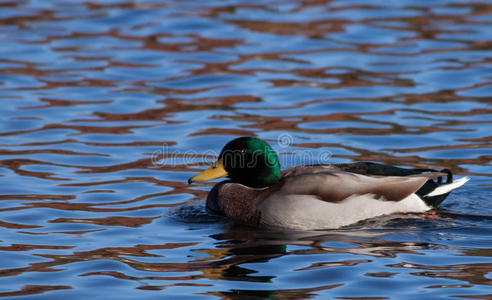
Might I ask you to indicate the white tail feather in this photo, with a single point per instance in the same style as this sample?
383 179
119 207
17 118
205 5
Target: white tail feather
446 188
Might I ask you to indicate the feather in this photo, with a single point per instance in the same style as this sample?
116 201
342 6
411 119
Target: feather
446 188
336 186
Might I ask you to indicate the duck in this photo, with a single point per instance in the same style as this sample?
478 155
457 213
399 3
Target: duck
312 197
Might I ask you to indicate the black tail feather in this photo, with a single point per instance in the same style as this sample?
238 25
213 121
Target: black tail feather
431 185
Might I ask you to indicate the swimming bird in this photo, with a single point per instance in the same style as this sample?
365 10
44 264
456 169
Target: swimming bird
313 197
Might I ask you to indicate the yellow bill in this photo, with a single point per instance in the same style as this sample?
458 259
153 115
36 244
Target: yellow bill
215 171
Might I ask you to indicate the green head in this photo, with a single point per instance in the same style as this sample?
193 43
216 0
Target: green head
246 160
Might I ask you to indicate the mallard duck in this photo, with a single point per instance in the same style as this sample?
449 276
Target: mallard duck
315 196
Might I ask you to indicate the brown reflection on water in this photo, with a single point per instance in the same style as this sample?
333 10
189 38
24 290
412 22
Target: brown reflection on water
474 273
306 293
61 102
224 262
109 221
34 290
16 165
223 269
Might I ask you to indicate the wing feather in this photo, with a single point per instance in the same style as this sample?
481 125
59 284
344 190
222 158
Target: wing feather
336 186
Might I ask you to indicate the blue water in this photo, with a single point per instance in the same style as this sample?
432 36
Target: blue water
108 107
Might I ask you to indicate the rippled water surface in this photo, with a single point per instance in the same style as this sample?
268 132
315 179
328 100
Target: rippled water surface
109 106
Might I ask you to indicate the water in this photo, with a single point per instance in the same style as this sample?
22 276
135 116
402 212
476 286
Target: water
108 107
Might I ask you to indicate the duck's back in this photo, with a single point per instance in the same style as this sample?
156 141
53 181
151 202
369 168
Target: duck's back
434 181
